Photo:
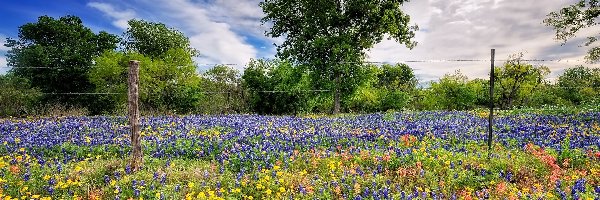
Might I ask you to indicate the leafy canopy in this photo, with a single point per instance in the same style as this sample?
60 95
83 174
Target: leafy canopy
168 79
331 36
56 55
571 19
516 79
155 39
580 84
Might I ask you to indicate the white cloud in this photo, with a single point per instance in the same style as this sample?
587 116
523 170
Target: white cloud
3 68
207 25
230 31
216 41
3 50
468 29
3 61
120 17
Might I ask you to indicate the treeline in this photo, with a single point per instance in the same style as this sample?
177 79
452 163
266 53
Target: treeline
60 65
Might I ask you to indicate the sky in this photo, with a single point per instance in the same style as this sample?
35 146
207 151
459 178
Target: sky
231 32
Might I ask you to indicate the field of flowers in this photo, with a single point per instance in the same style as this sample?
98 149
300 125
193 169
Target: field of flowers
426 155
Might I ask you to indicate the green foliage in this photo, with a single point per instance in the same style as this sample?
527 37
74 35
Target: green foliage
366 99
17 97
397 77
332 41
168 79
226 93
515 80
394 100
545 95
56 55
579 84
571 19
278 87
389 87
451 92
167 84
155 39
481 88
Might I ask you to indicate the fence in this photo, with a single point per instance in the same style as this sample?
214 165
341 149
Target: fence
133 80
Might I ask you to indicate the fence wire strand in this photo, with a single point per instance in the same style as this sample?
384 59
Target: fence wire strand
391 62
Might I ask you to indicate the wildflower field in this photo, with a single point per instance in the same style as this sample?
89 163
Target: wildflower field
425 155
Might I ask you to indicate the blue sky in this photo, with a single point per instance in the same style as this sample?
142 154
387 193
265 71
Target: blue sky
230 31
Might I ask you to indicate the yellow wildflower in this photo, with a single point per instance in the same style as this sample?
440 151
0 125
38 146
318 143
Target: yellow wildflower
201 195
303 172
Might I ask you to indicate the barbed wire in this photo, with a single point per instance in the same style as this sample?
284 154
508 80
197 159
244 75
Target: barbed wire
274 91
390 62
204 92
81 93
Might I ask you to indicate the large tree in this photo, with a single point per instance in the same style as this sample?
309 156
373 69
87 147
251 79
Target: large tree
573 18
516 79
331 36
168 79
155 39
56 55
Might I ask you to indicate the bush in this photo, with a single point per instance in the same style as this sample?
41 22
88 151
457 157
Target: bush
17 99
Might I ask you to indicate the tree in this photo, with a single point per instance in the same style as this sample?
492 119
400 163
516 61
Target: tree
481 87
166 85
278 87
224 92
515 79
579 84
17 97
388 87
330 36
397 77
56 55
451 92
155 39
571 19
168 79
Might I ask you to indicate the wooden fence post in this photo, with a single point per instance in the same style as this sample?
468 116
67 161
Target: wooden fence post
134 114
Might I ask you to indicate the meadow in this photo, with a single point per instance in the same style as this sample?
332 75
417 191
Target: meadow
423 155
